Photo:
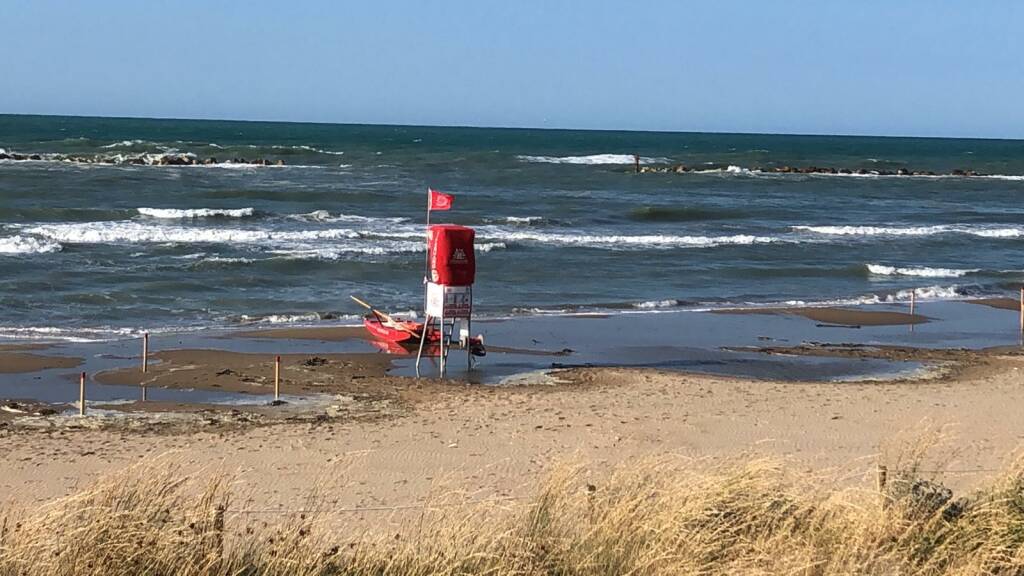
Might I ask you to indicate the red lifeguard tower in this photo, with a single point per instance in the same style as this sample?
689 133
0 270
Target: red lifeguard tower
451 270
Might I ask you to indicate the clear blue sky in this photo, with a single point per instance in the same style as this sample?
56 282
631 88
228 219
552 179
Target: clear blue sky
912 67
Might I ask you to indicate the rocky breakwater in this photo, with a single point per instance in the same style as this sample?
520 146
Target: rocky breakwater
682 168
166 159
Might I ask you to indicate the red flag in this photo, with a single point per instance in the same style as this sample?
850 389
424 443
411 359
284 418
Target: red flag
439 200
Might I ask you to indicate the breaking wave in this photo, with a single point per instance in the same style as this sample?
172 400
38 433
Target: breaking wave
527 220
598 159
325 216
320 243
304 148
138 232
83 335
984 232
954 292
922 272
654 304
27 245
640 241
129 144
173 213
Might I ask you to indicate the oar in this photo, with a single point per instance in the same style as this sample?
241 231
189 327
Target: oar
382 317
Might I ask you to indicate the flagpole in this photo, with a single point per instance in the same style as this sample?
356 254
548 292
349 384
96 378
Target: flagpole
426 258
426 272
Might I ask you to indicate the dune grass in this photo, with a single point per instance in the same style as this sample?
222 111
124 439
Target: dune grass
651 517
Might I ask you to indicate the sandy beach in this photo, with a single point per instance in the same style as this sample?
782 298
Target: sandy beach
402 441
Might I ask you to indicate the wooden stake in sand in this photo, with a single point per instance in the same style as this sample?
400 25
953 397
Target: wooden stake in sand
277 378
882 475
145 352
1022 310
81 395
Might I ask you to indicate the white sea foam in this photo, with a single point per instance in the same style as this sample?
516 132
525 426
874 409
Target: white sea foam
488 246
27 245
738 170
226 260
281 318
523 219
370 248
126 144
640 241
307 149
873 230
928 293
923 272
138 232
654 241
953 292
656 304
325 216
174 213
50 333
592 159
343 251
982 231
193 256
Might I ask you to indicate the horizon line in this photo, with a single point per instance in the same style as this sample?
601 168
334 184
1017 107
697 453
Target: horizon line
479 127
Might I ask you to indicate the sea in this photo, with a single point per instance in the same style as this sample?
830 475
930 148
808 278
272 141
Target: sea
123 244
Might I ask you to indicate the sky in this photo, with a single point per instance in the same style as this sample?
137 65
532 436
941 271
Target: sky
896 67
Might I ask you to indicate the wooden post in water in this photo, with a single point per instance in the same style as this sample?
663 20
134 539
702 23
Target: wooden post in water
636 163
145 361
913 301
277 378
145 352
81 395
1022 310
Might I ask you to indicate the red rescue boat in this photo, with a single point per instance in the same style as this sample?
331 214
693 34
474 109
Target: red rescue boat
396 330
395 335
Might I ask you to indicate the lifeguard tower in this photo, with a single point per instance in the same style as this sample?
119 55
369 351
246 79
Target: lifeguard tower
451 270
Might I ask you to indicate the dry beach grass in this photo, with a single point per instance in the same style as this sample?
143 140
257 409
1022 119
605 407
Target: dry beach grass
664 516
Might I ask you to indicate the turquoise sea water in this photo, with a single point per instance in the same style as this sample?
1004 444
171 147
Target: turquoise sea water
90 251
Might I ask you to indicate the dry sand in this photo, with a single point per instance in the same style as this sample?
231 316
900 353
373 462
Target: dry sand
839 316
496 441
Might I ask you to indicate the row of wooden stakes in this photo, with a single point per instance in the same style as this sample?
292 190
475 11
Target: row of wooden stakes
145 369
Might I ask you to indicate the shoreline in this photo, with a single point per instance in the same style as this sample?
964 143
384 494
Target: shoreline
351 328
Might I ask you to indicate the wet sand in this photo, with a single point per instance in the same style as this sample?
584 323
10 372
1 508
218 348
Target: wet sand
16 362
326 334
253 373
1001 303
496 441
839 316
344 333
